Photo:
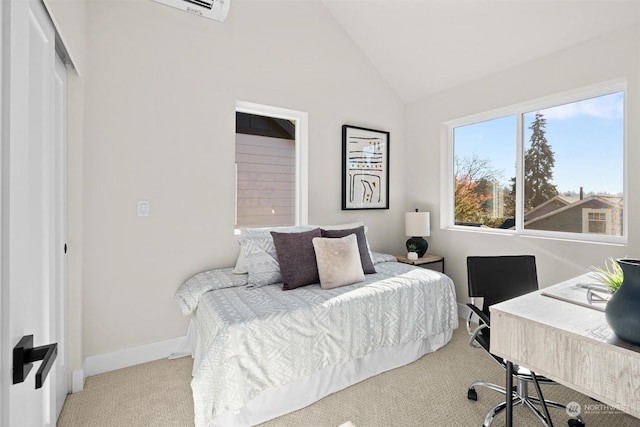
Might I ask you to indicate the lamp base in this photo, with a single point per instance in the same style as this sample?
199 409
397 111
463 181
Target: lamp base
421 245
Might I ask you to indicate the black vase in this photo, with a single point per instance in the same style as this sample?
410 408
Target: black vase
623 309
420 244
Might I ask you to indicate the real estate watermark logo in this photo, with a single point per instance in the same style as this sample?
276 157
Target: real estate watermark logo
574 409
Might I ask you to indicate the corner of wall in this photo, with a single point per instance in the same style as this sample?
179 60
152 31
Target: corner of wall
77 380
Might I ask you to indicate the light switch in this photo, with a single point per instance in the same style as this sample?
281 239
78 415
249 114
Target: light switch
143 208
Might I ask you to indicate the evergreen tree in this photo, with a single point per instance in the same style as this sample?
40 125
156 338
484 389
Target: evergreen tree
538 167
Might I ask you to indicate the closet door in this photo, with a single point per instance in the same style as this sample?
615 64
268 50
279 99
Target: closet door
32 208
58 328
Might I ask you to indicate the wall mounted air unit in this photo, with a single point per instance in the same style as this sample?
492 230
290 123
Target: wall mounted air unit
214 9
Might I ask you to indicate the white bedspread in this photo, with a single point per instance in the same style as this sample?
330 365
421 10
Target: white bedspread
256 339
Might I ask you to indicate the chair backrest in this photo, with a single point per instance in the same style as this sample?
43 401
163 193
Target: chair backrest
499 278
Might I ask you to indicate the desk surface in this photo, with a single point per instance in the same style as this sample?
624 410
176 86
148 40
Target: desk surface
570 344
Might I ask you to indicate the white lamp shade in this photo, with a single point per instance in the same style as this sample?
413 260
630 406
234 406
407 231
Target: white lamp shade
416 224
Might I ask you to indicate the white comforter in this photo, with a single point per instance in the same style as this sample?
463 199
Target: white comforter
258 338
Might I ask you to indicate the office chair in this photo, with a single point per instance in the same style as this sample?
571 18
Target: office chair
497 279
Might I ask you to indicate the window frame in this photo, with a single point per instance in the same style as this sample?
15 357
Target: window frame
447 201
302 152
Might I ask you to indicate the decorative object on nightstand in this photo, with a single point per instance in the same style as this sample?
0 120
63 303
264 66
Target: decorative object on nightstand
416 225
412 254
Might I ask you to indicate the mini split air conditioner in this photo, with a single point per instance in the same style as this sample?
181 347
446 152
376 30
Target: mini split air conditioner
213 9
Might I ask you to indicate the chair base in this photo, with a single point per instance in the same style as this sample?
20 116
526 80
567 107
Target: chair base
520 396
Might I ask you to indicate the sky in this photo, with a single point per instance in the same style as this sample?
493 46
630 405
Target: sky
587 138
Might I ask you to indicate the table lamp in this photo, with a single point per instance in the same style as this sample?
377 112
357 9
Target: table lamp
416 225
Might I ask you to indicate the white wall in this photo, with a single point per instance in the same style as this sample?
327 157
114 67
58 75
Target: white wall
610 57
160 93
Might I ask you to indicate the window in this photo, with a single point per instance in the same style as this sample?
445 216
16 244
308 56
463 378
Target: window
483 196
553 168
271 166
596 222
265 171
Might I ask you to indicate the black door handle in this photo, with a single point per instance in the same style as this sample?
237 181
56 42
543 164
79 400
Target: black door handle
24 355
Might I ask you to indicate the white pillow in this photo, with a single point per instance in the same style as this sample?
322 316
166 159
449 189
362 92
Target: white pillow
241 263
261 260
338 261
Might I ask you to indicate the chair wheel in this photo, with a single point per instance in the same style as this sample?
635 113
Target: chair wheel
575 423
471 394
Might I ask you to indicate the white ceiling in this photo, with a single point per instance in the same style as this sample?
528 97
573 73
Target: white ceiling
425 46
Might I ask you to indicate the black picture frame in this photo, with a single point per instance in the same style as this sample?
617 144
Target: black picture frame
365 168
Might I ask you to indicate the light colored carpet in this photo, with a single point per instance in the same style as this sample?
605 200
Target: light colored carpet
429 392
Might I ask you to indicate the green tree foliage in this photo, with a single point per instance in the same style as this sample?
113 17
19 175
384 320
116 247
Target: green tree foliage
468 202
538 167
473 191
471 196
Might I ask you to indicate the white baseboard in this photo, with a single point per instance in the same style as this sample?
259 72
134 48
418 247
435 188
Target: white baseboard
106 362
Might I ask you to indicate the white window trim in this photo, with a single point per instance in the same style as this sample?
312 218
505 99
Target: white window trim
447 216
302 149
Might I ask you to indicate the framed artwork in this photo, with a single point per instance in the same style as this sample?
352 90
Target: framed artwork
365 168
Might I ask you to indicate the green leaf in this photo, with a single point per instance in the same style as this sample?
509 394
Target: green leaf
610 275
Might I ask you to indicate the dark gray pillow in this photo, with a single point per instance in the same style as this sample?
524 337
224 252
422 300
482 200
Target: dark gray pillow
297 258
363 247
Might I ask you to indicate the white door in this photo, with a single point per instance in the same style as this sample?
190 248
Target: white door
32 209
59 245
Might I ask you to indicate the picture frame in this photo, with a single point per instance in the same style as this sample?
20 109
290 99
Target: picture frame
365 168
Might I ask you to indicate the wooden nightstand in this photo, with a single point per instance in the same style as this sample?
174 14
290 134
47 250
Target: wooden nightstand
424 261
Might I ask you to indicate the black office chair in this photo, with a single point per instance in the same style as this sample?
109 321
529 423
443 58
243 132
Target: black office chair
497 279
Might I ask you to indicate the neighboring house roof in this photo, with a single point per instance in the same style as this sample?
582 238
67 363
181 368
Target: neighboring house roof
551 205
253 124
607 200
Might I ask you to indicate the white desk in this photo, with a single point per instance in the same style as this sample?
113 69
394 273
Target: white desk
570 344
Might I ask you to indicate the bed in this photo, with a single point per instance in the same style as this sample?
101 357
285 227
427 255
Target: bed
260 352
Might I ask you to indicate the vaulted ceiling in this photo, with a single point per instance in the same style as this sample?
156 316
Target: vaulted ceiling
425 46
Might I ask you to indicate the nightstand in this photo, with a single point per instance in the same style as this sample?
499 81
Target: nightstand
424 261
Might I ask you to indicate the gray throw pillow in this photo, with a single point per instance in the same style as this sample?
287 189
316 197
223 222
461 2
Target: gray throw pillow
363 246
297 258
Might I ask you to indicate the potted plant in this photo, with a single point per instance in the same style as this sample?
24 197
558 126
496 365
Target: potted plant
412 254
609 275
623 307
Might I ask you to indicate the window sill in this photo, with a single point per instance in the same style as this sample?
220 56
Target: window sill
563 237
